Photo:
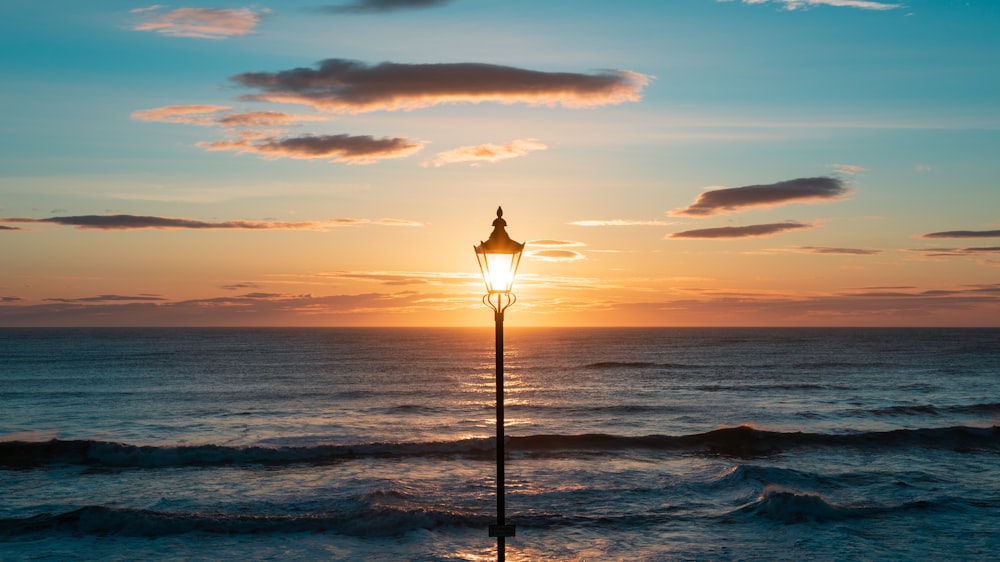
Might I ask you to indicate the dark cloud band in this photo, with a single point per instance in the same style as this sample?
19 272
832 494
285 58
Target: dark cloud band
964 234
346 86
736 198
349 149
136 222
381 6
750 231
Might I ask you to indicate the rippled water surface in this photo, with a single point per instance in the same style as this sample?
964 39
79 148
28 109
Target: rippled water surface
632 444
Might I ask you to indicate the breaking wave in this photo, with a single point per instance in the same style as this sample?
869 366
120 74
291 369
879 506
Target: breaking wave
787 505
369 521
738 442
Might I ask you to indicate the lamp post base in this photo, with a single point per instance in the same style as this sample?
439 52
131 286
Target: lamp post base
502 530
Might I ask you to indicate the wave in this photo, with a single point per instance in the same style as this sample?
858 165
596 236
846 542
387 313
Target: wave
737 442
792 506
368 521
25 454
989 408
787 505
765 387
612 365
745 442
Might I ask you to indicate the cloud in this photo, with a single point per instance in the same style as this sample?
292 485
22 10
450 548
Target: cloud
848 169
404 278
202 23
966 305
958 252
970 305
382 6
205 116
10 299
555 255
152 8
110 298
741 231
136 222
737 198
247 309
190 114
240 286
554 250
2 227
556 243
397 222
486 153
964 234
796 4
265 119
345 86
362 149
846 251
619 222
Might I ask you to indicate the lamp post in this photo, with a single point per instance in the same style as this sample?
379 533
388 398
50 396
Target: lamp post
498 259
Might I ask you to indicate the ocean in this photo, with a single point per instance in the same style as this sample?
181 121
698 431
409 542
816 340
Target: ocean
377 444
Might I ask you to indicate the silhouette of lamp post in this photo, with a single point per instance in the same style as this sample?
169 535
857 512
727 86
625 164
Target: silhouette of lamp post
498 259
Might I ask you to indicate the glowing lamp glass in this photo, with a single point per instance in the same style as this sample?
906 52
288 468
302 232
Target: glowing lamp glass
498 270
499 257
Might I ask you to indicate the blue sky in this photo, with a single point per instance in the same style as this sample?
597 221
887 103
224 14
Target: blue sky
227 192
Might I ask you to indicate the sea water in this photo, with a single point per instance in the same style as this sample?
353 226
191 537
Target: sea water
377 444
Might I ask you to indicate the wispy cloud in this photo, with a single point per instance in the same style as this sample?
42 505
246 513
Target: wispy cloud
110 298
381 6
755 230
265 119
200 114
555 255
769 195
348 149
619 222
202 23
346 86
240 286
152 8
965 305
396 222
208 115
844 251
887 306
554 250
255 308
848 169
395 278
958 252
556 243
797 4
480 153
964 234
3 227
136 222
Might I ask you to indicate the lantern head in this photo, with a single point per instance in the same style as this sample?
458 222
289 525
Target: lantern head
499 257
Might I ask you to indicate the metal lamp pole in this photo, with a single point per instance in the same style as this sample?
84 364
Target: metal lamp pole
501 529
498 260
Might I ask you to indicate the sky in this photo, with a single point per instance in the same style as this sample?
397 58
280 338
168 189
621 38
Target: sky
334 162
